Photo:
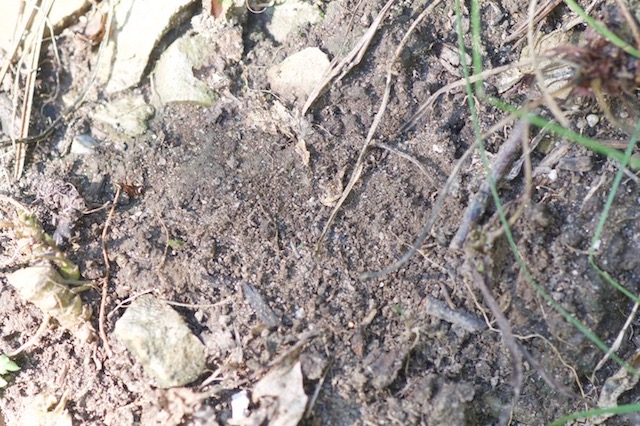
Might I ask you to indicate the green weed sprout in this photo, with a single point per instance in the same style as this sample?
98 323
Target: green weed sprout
6 366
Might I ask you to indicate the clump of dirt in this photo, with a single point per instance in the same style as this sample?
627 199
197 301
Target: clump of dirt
230 217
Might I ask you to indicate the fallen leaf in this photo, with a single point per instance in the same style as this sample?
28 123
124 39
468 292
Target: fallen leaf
281 395
302 151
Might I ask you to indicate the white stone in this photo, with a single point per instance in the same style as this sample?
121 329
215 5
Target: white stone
297 76
592 120
84 144
173 79
290 15
159 339
239 405
127 115
140 24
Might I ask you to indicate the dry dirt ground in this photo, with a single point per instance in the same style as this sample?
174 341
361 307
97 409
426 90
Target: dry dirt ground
244 214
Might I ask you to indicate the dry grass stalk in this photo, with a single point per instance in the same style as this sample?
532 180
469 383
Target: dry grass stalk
32 47
349 62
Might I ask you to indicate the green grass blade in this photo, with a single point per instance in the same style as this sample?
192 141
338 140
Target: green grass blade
591 144
538 121
625 159
605 214
621 409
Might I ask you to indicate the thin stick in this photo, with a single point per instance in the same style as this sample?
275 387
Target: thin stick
352 59
18 35
506 156
616 344
166 245
423 109
507 335
41 329
303 339
630 20
407 157
33 46
539 15
550 102
554 384
435 212
460 318
198 305
127 300
105 280
78 101
316 392
578 19
528 189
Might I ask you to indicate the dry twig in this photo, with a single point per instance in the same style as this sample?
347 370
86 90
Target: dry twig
353 58
616 344
357 171
105 279
76 103
501 166
507 335
538 15
33 45
435 212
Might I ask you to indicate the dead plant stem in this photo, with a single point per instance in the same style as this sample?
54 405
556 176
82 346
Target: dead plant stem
105 280
435 213
507 334
357 171
505 157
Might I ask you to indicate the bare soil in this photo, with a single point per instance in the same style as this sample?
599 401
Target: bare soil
243 213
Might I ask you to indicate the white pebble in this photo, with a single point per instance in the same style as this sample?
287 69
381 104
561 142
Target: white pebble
84 144
592 120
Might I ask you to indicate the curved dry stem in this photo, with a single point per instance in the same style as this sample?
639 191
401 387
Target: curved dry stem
357 171
33 339
353 58
534 18
482 283
596 88
105 280
422 110
435 213
407 157
630 20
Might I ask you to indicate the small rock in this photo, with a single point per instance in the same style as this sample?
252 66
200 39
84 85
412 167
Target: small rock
290 15
581 163
592 120
84 144
140 25
384 366
297 76
313 365
239 405
159 339
128 115
173 78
